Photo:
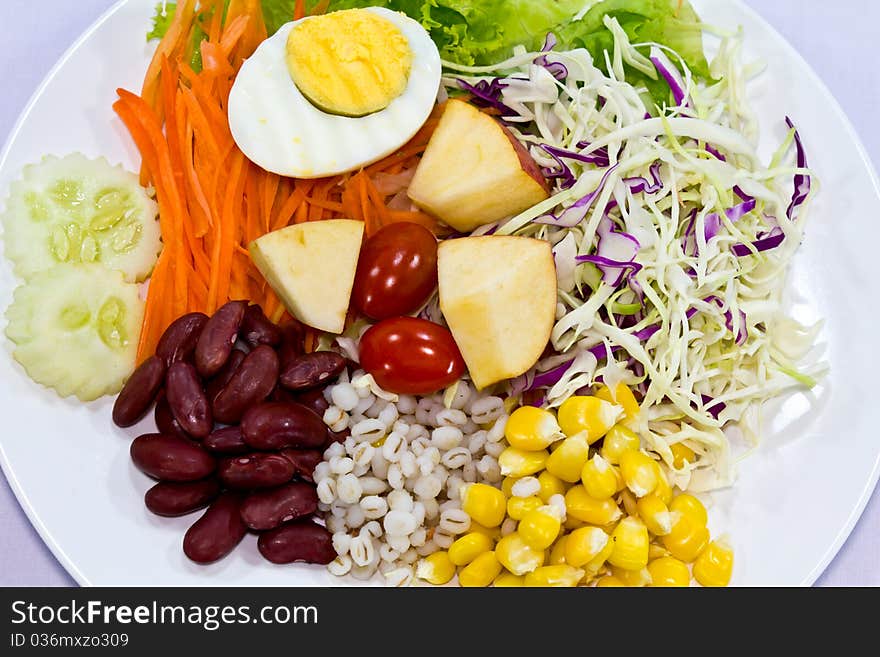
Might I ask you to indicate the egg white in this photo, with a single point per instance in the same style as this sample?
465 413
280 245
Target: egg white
278 129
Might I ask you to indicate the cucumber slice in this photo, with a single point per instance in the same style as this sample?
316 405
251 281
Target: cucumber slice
76 329
77 210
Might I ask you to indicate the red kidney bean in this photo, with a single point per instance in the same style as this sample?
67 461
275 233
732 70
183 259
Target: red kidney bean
227 440
280 394
336 436
218 337
291 346
276 425
217 532
304 461
256 329
216 383
187 400
313 399
269 509
165 421
303 540
179 340
173 499
256 470
312 370
171 458
251 383
139 392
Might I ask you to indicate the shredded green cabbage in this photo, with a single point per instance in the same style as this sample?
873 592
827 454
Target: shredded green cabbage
694 296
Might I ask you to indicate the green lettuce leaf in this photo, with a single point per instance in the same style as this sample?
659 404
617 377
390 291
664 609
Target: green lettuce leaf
162 20
660 21
481 32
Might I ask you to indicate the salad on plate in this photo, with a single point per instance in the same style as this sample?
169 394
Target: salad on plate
429 291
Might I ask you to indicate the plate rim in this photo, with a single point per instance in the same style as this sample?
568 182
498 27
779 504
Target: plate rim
834 105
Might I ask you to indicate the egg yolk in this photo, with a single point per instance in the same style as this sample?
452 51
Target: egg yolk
351 62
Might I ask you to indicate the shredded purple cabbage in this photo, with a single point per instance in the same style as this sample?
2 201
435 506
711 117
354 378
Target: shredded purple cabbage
742 333
765 242
639 184
715 152
671 74
562 171
575 213
487 93
712 409
802 182
712 223
601 154
557 69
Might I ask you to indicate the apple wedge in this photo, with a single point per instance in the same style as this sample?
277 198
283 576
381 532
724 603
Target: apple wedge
474 171
498 295
311 267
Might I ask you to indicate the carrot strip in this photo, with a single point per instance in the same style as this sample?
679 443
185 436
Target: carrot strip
177 34
299 10
321 8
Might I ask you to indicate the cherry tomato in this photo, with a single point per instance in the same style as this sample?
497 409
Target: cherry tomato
410 356
397 271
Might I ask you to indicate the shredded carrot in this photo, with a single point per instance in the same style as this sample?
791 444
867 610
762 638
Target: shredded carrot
299 10
213 202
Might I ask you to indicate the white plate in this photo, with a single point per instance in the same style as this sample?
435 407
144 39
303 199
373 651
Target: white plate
797 497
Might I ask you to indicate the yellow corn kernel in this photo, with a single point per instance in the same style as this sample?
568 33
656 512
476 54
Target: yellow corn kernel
619 440
688 505
583 545
630 545
639 471
594 565
623 396
532 429
568 459
519 463
714 566
656 551
669 571
654 514
573 523
557 552
599 478
632 578
493 533
468 547
682 454
663 490
579 505
517 556
518 507
630 503
609 581
539 528
687 539
591 414
508 580
550 485
484 504
559 575
436 568
507 485
481 571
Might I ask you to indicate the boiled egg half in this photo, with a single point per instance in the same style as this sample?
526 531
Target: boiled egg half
330 94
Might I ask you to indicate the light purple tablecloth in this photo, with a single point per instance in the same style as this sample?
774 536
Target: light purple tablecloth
837 38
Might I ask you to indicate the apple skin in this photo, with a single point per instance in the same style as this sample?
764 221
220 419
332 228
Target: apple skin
474 171
526 161
498 296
